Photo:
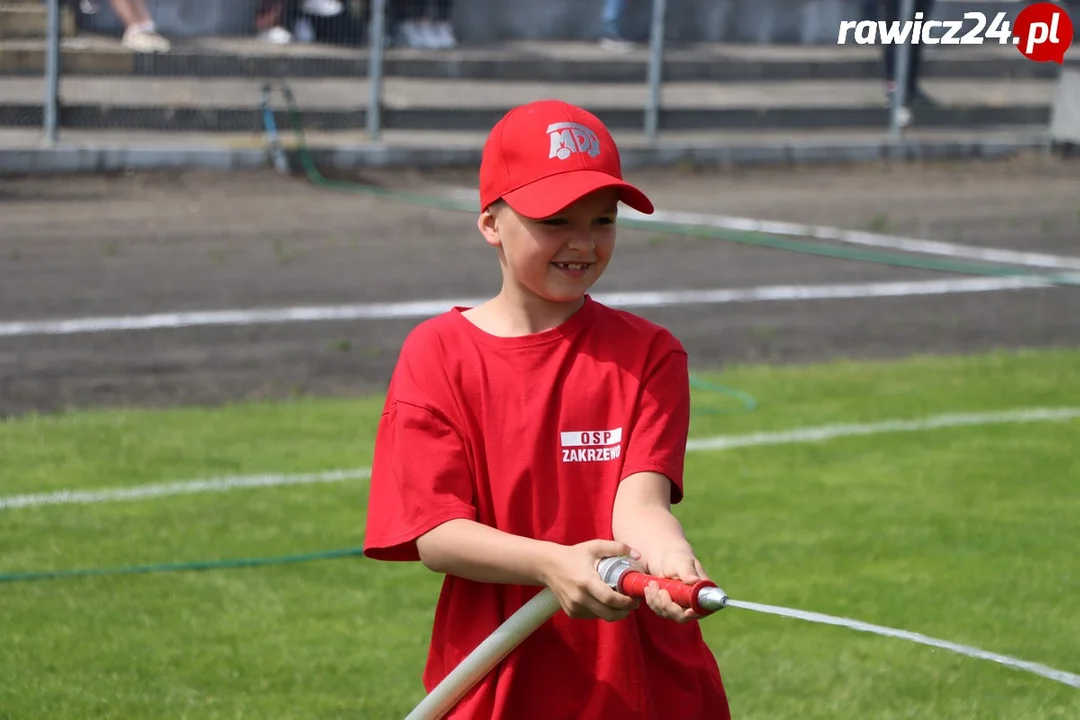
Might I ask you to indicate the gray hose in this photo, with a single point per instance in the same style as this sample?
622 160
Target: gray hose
486 656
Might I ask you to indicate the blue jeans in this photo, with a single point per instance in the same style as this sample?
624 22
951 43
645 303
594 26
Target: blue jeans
612 17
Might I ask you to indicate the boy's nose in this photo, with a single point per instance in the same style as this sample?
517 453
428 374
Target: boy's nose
582 241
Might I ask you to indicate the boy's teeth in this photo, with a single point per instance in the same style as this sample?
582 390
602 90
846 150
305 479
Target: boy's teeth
572 266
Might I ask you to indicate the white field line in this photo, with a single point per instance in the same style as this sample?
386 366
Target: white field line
189 487
429 308
722 442
829 432
852 237
818 434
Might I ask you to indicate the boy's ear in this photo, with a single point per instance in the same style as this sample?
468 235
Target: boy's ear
488 225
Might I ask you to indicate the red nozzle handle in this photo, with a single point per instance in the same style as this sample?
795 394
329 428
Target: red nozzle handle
634 584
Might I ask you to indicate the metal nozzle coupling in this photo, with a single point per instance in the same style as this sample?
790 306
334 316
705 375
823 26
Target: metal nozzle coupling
712 599
612 569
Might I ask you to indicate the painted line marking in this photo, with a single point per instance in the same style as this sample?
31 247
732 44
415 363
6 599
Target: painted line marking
851 237
803 435
429 308
189 487
722 442
854 237
829 432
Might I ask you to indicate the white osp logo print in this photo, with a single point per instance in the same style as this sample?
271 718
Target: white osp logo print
568 138
591 445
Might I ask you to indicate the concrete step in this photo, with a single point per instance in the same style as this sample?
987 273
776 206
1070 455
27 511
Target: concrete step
83 150
31 21
231 105
560 62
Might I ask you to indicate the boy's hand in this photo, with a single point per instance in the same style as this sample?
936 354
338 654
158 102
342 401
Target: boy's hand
678 565
571 573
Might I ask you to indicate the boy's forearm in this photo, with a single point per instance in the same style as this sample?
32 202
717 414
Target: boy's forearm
650 529
474 551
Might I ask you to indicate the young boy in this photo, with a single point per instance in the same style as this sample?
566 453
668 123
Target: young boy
525 439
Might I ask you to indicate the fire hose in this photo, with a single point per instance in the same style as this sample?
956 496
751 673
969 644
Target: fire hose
619 573
704 597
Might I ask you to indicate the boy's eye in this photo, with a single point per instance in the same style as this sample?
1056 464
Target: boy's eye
562 222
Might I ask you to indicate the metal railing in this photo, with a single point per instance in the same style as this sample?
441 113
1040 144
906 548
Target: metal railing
341 81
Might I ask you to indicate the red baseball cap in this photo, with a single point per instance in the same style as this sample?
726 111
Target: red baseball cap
546 155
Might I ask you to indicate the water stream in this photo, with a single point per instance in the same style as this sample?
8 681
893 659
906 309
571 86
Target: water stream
1060 676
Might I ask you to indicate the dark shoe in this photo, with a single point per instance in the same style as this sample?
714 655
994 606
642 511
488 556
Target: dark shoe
921 101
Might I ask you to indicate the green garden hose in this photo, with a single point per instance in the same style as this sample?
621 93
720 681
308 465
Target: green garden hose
744 237
181 566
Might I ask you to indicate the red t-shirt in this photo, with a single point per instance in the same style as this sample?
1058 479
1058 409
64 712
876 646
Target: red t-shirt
532 435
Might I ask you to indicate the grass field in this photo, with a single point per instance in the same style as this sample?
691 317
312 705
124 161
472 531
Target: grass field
967 534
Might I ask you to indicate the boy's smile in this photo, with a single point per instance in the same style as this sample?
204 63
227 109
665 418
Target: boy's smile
578 243
550 186
575 270
549 264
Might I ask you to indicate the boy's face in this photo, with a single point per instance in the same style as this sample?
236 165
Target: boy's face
556 258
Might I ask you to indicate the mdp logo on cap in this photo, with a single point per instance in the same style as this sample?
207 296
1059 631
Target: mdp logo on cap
568 138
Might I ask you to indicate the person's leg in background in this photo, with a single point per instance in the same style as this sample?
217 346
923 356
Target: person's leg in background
140 32
612 17
271 20
914 96
891 12
914 92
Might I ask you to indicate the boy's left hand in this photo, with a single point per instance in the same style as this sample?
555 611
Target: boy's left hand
678 565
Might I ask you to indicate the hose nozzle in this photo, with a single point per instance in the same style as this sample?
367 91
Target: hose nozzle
624 575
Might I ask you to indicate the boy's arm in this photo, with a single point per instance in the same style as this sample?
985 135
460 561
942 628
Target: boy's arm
642 519
474 551
481 553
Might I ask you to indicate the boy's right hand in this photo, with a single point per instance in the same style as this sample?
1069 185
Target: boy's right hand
571 573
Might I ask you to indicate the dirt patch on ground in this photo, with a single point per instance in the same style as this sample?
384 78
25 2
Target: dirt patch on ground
127 245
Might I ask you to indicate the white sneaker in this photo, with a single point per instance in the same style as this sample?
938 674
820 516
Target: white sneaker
429 37
903 116
442 36
144 40
322 8
276 36
616 44
412 34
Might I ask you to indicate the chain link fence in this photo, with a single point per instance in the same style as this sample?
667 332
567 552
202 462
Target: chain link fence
24 73
443 70
199 67
356 68
182 67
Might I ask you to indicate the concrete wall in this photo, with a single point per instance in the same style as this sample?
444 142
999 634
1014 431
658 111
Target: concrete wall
483 21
